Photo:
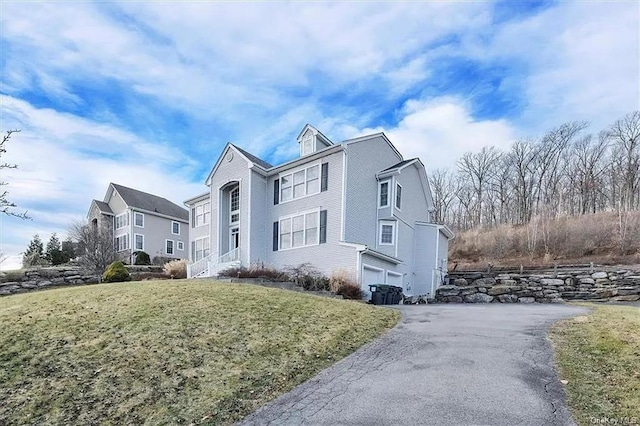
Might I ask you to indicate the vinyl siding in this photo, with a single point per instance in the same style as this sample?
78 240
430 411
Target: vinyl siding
425 256
364 160
156 231
260 242
326 257
235 170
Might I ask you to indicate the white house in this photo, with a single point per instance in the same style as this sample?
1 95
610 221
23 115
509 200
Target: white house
356 206
142 222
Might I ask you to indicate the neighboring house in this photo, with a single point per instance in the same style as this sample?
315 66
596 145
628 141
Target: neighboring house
357 207
142 222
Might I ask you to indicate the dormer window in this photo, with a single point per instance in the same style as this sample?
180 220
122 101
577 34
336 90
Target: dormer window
307 145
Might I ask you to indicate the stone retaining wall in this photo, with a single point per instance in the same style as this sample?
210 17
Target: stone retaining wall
35 279
477 287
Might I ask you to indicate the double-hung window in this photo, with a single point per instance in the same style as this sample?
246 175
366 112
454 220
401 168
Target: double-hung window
387 233
307 145
299 230
201 214
200 248
122 242
383 194
138 220
175 228
300 183
169 247
139 242
122 220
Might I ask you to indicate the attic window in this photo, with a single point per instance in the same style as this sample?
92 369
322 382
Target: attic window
307 145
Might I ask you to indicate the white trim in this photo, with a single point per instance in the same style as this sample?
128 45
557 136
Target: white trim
175 233
173 247
135 215
393 230
373 136
395 198
304 234
344 194
136 242
388 182
178 244
248 231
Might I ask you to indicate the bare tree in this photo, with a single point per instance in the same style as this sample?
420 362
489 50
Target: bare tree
6 206
475 170
444 188
625 137
96 249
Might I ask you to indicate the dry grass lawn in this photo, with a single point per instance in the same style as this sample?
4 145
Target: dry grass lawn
167 352
599 357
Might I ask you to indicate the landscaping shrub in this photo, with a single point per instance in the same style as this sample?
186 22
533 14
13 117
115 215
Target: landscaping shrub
344 284
350 291
255 271
144 276
176 269
115 273
142 258
339 278
308 277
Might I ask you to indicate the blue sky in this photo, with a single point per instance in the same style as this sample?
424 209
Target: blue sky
146 94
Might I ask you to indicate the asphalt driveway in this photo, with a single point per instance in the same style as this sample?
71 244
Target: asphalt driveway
443 365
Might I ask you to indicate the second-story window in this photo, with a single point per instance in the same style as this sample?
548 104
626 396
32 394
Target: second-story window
201 214
383 194
175 228
398 196
300 183
234 205
122 220
138 219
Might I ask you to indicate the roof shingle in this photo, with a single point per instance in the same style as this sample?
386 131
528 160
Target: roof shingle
150 202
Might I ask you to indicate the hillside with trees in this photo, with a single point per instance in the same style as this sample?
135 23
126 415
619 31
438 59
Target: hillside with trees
568 195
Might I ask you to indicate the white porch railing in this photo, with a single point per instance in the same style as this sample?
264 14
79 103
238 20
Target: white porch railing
199 268
231 256
208 266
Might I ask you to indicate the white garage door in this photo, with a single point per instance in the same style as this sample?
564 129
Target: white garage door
371 275
394 279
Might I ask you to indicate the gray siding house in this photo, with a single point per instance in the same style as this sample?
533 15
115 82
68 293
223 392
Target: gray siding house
356 208
142 222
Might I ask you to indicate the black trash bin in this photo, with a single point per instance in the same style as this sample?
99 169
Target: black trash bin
379 294
395 294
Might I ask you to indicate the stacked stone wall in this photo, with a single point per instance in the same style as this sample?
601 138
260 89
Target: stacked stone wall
553 287
41 278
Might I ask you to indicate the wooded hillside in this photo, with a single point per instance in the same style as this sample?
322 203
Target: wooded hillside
534 192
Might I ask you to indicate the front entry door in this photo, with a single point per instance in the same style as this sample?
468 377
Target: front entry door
234 238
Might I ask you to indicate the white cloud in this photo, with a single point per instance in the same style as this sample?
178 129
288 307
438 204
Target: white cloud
576 61
65 161
440 130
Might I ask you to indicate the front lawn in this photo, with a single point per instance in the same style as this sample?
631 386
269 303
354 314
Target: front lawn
167 352
599 357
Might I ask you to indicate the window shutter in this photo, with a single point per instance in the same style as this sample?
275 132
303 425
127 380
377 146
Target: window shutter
324 180
323 226
275 236
193 217
276 191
